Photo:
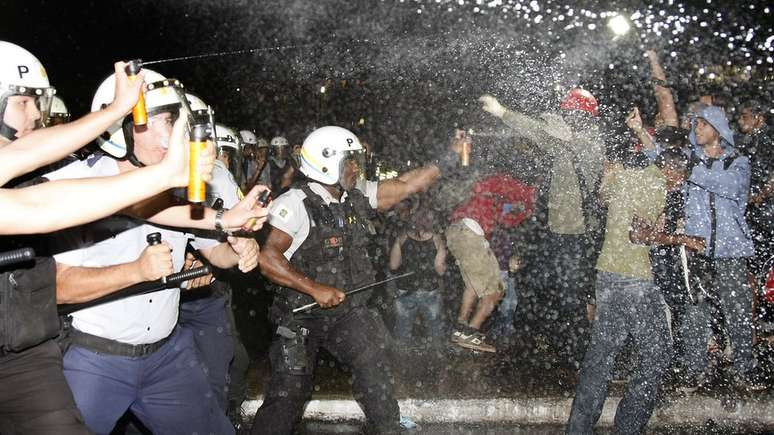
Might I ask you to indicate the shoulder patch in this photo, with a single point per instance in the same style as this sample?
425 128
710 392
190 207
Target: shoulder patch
283 213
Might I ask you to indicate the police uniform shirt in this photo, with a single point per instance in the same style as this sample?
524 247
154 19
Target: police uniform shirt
140 319
289 215
223 185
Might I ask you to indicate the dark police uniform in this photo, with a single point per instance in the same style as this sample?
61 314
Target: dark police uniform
329 246
34 395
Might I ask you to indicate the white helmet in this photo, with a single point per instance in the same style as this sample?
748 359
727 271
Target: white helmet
324 150
161 95
227 137
59 113
279 141
201 112
262 143
21 73
229 147
248 138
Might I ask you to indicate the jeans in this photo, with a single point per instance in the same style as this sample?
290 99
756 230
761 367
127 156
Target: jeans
424 303
735 301
502 321
625 306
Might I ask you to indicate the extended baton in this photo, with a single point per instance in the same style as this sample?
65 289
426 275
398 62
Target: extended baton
16 256
314 305
167 282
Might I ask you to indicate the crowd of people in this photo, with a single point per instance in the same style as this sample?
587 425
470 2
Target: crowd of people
658 237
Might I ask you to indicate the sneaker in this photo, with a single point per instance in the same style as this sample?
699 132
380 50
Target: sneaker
459 331
474 341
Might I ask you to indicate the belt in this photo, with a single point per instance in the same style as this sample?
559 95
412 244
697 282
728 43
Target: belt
113 347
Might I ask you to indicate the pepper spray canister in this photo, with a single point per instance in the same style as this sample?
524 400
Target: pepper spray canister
465 155
197 188
139 114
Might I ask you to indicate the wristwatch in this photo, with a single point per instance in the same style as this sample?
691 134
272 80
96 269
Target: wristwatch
219 220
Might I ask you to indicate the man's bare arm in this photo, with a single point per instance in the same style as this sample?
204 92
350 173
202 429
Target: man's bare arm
395 190
664 98
278 269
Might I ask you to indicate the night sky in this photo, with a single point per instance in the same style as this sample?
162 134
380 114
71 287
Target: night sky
409 69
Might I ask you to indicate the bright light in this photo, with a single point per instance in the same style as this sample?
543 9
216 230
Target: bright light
322 89
619 25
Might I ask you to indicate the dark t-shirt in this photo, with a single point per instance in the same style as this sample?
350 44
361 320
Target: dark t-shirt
419 257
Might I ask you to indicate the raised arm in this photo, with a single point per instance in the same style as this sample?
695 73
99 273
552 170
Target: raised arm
247 214
535 130
64 203
664 98
49 145
395 190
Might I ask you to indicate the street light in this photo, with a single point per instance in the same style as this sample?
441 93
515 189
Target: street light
619 25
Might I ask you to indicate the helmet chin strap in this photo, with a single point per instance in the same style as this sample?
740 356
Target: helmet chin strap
128 126
134 160
7 131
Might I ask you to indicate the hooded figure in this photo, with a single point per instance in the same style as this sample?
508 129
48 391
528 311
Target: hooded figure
717 192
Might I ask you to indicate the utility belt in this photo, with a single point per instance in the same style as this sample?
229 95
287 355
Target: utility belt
112 347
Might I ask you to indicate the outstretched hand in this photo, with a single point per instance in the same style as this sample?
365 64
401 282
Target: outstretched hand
247 215
492 106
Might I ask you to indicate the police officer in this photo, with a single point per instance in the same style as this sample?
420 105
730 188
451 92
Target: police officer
206 311
128 354
281 168
35 397
316 249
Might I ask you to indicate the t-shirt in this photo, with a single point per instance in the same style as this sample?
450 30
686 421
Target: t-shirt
631 192
418 256
497 200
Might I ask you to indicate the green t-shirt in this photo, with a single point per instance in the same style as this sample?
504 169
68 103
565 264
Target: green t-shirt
630 192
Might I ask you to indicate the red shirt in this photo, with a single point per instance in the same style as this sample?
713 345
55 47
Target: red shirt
497 200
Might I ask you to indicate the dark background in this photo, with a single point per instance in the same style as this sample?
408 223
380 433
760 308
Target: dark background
409 69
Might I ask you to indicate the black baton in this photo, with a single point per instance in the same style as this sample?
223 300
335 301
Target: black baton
167 282
313 305
16 256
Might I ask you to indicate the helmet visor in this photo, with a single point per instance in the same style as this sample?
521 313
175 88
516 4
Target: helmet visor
352 168
43 98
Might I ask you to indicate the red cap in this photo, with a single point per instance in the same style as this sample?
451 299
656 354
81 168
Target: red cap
581 99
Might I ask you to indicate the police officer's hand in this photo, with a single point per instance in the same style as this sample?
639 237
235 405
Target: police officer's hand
127 91
247 214
492 106
191 262
155 262
248 250
328 297
176 159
